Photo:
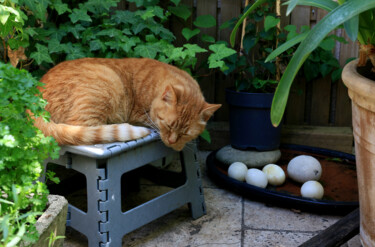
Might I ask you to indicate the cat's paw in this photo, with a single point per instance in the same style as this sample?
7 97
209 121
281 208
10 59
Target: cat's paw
140 132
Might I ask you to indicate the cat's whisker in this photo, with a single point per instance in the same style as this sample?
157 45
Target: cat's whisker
150 122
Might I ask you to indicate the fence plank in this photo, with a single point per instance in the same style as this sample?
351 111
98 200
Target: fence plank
177 24
207 83
228 10
320 101
295 110
321 87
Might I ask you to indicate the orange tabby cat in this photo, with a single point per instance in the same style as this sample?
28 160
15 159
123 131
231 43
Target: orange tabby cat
100 100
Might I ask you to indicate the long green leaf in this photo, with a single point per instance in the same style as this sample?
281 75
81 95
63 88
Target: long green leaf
335 18
238 24
285 46
351 27
328 5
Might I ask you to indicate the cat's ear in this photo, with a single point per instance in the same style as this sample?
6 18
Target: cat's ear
169 95
208 110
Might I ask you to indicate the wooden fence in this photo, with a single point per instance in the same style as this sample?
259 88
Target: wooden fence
319 103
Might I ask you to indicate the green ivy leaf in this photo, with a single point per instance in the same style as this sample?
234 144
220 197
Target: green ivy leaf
76 30
188 33
79 15
336 75
207 38
30 31
220 51
39 8
76 51
61 8
137 28
112 32
206 136
181 11
41 55
193 49
205 21
54 46
146 50
249 42
96 45
270 22
124 16
128 43
176 2
6 11
327 44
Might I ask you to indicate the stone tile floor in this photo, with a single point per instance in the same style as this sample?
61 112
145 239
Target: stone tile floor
231 220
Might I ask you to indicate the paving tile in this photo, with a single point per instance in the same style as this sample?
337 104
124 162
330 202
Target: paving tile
256 238
354 242
206 181
221 225
259 216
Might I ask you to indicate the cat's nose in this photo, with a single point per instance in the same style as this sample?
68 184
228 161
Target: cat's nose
172 139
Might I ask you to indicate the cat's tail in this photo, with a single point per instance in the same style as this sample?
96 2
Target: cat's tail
66 134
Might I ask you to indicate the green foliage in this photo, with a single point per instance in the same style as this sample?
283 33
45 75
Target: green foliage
261 42
58 31
22 149
357 18
248 66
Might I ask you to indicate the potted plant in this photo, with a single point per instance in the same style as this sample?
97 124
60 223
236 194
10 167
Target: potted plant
357 17
255 82
257 78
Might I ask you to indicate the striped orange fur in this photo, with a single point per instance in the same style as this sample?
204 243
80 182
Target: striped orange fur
101 100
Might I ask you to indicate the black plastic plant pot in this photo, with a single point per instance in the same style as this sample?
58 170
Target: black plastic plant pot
249 120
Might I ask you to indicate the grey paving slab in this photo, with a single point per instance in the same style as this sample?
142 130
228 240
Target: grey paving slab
259 216
256 238
221 225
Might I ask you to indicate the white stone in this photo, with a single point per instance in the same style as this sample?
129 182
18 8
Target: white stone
275 174
312 189
304 168
256 177
237 170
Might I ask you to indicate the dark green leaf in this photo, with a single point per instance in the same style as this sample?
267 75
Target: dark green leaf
207 38
188 33
181 11
270 22
205 21
41 55
206 136
249 42
79 15
146 50
61 8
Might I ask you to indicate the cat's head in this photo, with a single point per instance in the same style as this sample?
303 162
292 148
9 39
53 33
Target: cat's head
181 115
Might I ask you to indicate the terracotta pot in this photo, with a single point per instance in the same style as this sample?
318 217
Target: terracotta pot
362 92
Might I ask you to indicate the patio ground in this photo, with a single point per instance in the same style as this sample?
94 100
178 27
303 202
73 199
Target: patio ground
231 220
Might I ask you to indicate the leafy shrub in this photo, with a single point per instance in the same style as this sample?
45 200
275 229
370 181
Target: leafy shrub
53 31
22 149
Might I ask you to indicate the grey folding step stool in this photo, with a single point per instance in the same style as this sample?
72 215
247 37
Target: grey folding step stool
104 223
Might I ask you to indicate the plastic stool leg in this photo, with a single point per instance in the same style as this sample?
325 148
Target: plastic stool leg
189 161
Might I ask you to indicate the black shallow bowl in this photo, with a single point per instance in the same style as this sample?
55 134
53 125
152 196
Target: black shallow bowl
217 172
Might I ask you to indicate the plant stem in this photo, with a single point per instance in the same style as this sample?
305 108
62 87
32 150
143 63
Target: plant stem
243 28
5 51
278 14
